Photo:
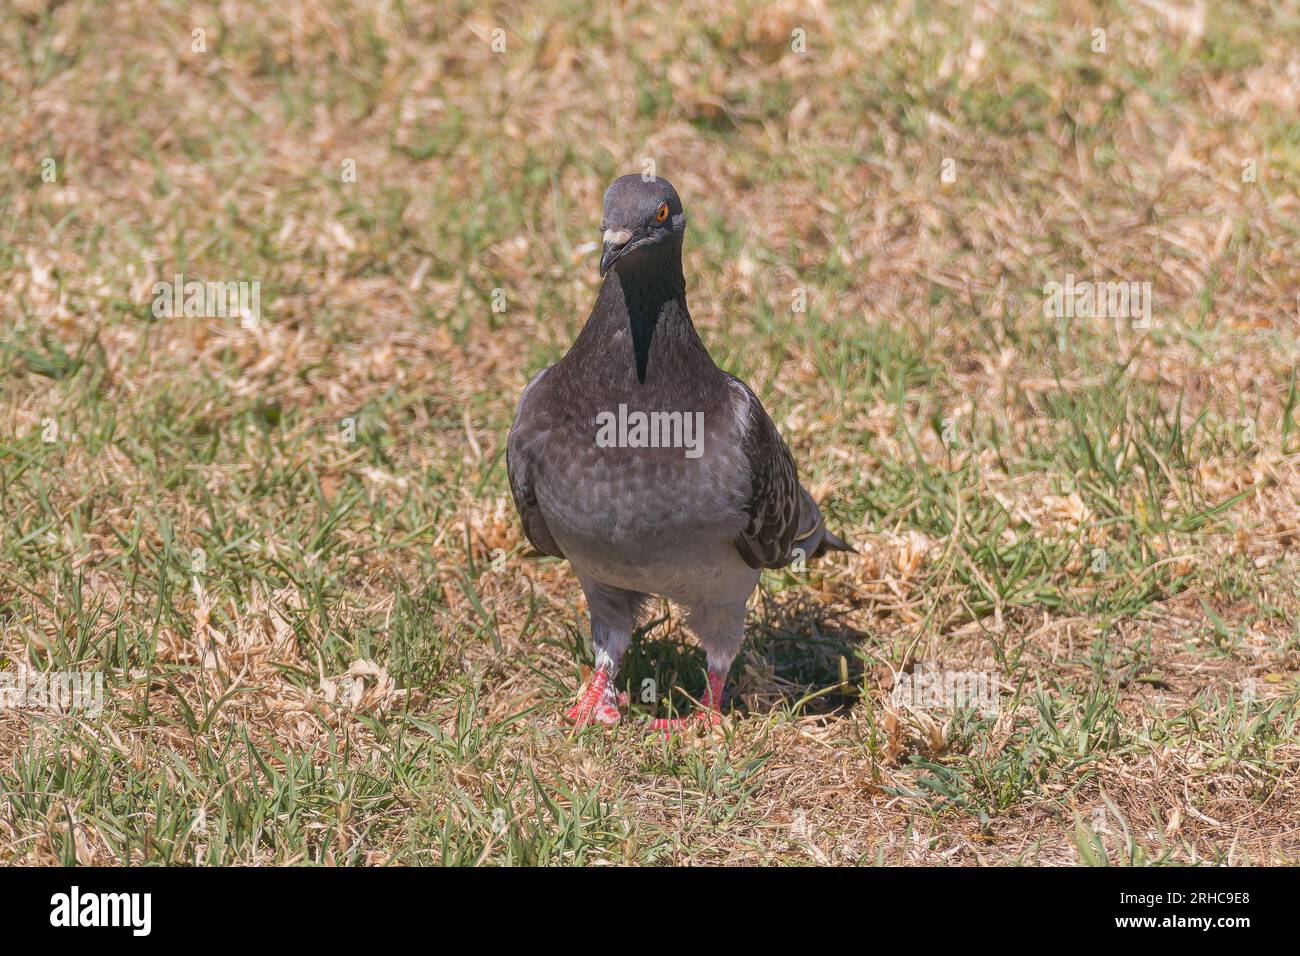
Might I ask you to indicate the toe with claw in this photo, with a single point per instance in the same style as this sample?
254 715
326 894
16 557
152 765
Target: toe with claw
707 716
597 705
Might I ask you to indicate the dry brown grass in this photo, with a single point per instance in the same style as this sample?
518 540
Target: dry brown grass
352 635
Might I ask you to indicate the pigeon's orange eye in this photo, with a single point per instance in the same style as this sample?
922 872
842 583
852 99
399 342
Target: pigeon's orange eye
662 214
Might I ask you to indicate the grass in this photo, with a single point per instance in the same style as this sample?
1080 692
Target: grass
290 548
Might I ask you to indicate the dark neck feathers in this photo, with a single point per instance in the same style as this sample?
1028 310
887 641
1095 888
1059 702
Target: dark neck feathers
640 330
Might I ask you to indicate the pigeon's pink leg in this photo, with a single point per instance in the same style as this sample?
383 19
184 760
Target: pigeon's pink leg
709 714
595 705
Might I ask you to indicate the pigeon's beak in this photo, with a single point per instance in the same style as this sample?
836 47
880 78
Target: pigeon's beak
616 241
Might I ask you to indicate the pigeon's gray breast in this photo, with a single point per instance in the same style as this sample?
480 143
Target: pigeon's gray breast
654 520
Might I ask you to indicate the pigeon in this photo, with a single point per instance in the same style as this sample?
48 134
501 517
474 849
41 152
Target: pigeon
650 469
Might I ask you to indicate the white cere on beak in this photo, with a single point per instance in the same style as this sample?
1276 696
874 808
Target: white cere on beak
617 237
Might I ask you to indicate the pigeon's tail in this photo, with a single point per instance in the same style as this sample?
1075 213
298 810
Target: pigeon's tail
814 538
832 542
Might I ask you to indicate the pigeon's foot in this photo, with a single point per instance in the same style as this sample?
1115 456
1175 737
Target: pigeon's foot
598 705
708 715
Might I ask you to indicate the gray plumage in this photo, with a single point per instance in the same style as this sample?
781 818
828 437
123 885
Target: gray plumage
641 521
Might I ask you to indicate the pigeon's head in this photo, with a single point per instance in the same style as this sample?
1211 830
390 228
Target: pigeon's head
643 220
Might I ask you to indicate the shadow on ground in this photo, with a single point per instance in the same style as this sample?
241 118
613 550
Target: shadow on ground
798 654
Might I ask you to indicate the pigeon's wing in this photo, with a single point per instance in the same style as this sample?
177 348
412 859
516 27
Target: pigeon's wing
523 450
784 522
775 509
